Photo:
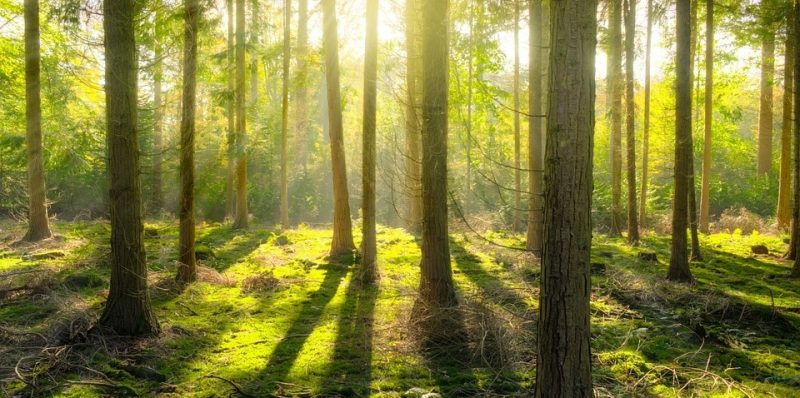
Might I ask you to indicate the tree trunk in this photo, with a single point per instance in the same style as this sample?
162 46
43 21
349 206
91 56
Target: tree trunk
765 105
38 227
240 221
784 186
517 156
302 90
413 126
564 360
127 310
630 126
436 284
535 140
796 188
342 224
692 193
679 264
287 40
187 264
230 192
470 83
368 270
646 130
705 188
157 200
614 87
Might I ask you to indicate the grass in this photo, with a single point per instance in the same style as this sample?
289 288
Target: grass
272 316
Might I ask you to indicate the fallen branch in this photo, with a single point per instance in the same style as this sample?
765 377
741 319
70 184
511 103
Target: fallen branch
233 384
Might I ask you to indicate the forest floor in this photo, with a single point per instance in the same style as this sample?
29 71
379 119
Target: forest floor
273 316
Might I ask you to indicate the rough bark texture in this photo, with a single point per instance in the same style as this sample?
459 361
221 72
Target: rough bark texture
614 87
230 191
187 264
564 360
413 126
679 261
240 219
517 225
646 129
535 140
630 125
436 283
342 224
765 105
784 182
368 270
287 46
705 186
38 227
796 188
127 310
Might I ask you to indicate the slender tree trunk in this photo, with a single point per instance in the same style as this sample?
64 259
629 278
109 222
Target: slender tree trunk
413 127
614 86
517 144
287 40
187 264
679 264
241 219
38 227
302 91
765 105
230 194
342 224
630 127
646 130
157 201
127 310
368 270
564 360
692 192
436 284
705 188
784 186
470 84
535 140
796 149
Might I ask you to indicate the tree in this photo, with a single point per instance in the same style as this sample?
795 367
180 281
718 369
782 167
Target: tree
436 284
705 187
230 192
765 105
784 181
535 139
646 129
614 83
630 126
127 310
157 200
796 125
302 90
38 227
187 264
564 360
240 220
368 270
412 119
287 41
342 224
517 157
679 262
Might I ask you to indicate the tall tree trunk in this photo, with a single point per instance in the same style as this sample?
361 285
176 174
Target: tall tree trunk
436 284
470 84
342 224
127 310
630 126
368 270
765 105
614 86
413 127
646 130
302 90
517 154
796 183
692 193
240 221
38 227
679 264
187 264
157 200
230 192
705 188
564 360
784 186
535 140
287 41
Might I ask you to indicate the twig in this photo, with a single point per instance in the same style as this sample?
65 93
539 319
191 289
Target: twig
234 385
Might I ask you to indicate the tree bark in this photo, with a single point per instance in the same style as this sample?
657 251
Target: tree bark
564 360
413 126
517 225
187 264
614 86
342 224
241 218
765 104
127 310
692 193
368 271
535 139
796 124
38 227
705 187
230 192
679 264
630 126
784 185
646 129
287 40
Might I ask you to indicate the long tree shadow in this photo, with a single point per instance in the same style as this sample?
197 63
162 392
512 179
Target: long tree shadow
229 247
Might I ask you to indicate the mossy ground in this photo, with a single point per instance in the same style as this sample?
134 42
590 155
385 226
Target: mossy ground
274 316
